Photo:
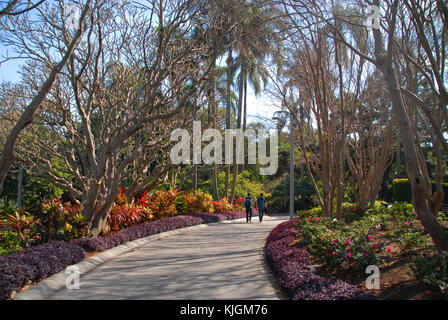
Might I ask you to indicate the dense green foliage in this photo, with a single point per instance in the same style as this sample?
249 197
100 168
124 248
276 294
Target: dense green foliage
433 271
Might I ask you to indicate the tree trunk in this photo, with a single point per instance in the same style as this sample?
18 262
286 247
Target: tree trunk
228 111
239 121
215 125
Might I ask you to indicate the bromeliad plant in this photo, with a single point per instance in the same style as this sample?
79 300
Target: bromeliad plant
162 203
238 203
20 222
199 202
223 205
18 229
125 215
157 205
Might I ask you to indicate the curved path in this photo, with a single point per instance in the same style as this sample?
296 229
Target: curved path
220 261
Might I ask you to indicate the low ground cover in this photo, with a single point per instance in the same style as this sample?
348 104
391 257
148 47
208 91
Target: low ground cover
388 236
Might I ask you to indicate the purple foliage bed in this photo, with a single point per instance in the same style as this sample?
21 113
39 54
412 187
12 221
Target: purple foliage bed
290 263
34 264
31 265
153 227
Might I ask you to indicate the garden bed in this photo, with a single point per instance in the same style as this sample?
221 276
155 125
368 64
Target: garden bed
290 266
388 236
397 281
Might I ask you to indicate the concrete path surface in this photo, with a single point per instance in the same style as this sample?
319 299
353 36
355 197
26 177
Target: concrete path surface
220 261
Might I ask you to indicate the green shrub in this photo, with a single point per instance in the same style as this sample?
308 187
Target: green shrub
9 242
402 191
432 271
315 212
337 244
413 240
396 213
181 204
442 216
352 212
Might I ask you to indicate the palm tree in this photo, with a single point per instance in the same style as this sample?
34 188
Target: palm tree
253 48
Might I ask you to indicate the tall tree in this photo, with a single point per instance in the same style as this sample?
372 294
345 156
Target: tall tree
24 40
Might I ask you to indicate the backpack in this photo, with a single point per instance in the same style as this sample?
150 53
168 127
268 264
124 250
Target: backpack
248 201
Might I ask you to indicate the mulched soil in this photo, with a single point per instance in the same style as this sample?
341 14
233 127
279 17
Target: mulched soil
91 254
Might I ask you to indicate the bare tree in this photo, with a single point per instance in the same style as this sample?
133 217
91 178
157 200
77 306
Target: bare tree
23 33
110 115
17 7
306 14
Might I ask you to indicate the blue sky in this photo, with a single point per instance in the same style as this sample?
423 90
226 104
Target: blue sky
9 69
261 106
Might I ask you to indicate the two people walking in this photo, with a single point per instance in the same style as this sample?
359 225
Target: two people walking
261 204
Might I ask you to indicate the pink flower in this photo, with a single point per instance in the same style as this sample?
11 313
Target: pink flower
388 249
428 292
366 255
335 240
348 242
349 237
348 247
349 254
406 223
309 220
334 253
369 237
376 245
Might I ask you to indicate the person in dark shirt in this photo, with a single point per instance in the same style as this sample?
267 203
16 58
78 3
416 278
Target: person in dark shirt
262 205
248 204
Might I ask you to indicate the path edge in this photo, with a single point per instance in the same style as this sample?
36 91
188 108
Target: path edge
269 273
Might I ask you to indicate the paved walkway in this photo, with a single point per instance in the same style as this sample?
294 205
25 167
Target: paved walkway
220 261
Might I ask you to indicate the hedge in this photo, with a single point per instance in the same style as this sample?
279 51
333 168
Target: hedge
290 263
402 191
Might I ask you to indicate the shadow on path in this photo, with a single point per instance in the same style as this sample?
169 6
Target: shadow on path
216 262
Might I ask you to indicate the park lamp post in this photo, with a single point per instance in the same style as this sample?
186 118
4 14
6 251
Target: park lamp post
291 166
19 188
281 116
